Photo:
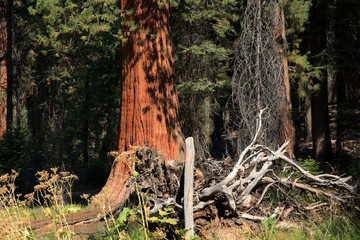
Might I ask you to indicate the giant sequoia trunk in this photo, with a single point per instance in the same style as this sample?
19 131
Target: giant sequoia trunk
3 78
149 104
319 97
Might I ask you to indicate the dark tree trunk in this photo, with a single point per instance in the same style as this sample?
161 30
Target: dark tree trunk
319 96
149 111
86 125
345 47
257 58
34 159
340 97
38 109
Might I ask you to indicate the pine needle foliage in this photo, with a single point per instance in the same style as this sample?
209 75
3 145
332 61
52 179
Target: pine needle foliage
296 20
204 35
68 77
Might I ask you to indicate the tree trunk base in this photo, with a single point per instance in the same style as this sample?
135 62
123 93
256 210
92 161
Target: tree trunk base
154 177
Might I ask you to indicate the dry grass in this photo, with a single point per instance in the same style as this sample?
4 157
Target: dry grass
51 199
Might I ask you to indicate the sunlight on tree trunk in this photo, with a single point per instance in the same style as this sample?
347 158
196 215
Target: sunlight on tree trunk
3 82
287 131
9 66
149 105
308 136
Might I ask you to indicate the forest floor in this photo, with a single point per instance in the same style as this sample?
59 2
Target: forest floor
347 153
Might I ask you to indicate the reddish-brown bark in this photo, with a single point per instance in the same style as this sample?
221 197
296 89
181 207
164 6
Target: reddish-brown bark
149 104
3 77
287 124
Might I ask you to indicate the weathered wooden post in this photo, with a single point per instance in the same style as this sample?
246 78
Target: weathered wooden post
189 186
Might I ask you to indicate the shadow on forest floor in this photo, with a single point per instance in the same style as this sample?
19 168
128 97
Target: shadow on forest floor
347 157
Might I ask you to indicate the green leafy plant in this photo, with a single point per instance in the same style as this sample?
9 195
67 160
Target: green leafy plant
163 219
121 222
311 164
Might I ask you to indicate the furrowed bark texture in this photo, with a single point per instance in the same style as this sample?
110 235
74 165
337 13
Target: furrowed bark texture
3 78
116 186
287 131
9 66
149 105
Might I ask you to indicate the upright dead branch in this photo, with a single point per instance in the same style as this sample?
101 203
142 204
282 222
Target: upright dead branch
189 186
221 186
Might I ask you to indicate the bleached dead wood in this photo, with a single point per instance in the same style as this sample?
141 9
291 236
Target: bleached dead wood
254 165
189 186
222 186
159 204
258 170
202 205
305 187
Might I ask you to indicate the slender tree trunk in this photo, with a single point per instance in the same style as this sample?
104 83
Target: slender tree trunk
149 105
287 124
346 73
308 121
3 73
257 60
37 104
340 98
86 125
9 66
319 97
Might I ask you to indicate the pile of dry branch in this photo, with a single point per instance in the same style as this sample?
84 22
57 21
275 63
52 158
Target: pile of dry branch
262 183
